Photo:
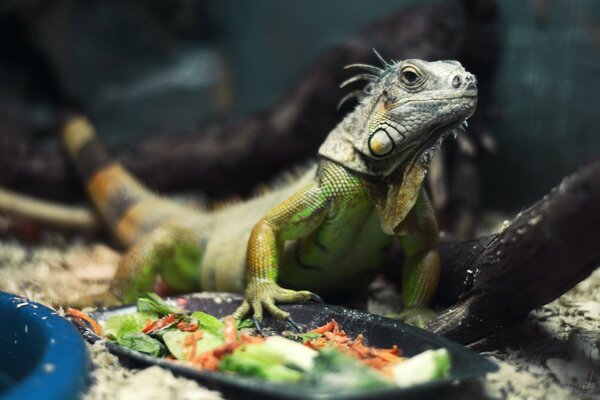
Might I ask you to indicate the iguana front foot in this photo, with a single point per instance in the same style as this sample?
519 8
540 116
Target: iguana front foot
418 317
264 295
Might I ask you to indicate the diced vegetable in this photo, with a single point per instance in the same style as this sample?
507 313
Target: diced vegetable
162 323
183 344
424 367
154 304
187 326
290 352
337 370
143 343
324 357
208 323
261 361
119 325
244 323
79 314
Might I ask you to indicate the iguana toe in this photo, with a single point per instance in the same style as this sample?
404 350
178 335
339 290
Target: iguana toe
242 310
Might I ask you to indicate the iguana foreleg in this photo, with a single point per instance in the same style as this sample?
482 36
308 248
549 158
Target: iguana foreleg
296 217
421 270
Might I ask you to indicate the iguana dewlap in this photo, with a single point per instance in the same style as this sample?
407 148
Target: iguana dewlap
328 231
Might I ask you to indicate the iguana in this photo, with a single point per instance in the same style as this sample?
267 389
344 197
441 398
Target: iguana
327 232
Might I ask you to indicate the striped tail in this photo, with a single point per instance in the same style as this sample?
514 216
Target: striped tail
125 204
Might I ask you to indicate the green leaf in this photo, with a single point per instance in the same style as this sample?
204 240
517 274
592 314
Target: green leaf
153 303
288 352
257 361
244 323
175 340
257 368
209 323
119 325
424 367
336 371
143 343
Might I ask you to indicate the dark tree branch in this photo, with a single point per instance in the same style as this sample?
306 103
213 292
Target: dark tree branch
544 252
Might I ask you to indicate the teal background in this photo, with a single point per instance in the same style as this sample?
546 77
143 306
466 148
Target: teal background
546 94
544 107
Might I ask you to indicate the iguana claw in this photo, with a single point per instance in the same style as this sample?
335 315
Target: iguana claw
293 324
316 298
258 327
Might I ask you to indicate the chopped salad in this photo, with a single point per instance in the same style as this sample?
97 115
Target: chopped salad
324 355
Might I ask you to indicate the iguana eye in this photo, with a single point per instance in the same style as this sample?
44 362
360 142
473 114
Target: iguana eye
380 143
410 76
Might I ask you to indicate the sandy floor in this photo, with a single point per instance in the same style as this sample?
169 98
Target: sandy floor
553 354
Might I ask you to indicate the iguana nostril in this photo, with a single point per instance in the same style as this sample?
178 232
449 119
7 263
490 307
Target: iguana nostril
471 82
456 81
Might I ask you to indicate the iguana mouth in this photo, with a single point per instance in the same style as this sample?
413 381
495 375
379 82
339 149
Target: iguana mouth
437 134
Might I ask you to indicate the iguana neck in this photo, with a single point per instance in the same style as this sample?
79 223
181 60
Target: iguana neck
339 147
394 196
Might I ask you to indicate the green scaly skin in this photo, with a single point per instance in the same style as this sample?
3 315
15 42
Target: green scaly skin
327 232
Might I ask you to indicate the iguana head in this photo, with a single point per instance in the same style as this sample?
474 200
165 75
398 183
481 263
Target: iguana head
404 113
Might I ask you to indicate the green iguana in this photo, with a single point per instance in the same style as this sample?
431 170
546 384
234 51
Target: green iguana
327 232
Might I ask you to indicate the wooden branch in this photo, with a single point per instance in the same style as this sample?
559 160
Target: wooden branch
232 158
544 252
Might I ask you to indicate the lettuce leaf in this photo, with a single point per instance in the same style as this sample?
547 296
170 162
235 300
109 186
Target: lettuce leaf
338 371
175 339
256 360
244 323
119 325
143 343
154 304
209 323
424 367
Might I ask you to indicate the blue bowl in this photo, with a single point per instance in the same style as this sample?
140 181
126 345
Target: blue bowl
42 356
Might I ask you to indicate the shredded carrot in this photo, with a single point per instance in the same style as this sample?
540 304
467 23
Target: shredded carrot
159 324
251 339
328 327
187 326
333 334
191 341
80 314
181 301
210 359
149 326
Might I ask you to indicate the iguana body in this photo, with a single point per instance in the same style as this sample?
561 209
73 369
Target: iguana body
327 232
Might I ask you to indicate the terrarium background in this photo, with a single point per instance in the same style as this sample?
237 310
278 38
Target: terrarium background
148 67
